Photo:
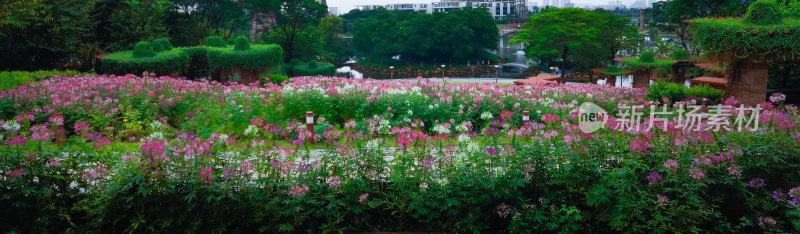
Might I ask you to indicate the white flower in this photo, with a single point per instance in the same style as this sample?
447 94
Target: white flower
410 112
11 125
473 147
463 138
461 128
251 130
486 116
156 136
373 144
430 107
441 129
155 125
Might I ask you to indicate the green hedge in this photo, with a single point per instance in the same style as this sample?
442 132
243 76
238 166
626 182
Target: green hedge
647 60
161 44
614 71
14 79
676 92
312 69
256 57
143 49
125 63
758 36
215 41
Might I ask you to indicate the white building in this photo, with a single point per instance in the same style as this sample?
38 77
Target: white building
498 8
423 7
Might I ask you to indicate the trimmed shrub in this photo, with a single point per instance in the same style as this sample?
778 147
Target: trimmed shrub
314 69
276 78
241 44
659 90
258 56
294 62
161 44
14 79
647 57
763 12
215 41
143 49
680 54
705 91
126 63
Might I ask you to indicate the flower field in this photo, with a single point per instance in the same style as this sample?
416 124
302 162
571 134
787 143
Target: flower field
157 154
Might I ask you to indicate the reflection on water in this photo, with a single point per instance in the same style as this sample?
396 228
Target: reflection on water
509 50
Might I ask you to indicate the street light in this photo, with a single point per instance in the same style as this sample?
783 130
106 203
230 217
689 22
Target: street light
442 72
391 70
496 67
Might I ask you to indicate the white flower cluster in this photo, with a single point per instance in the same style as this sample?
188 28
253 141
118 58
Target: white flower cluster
11 125
441 129
473 147
462 128
463 138
373 144
486 116
251 130
155 125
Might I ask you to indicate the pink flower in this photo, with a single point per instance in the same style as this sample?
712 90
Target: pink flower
81 127
696 173
334 181
662 200
40 132
207 175
53 162
671 165
654 177
298 190
17 140
363 197
17 172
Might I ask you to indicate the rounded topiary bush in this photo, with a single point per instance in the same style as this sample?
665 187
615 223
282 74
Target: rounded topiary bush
294 62
143 49
680 54
161 44
647 57
215 41
763 12
312 64
241 44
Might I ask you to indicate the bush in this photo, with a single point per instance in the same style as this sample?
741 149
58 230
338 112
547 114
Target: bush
680 54
763 12
705 91
161 44
258 56
647 57
165 62
241 44
14 79
143 49
276 78
659 90
215 41
313 68
294 62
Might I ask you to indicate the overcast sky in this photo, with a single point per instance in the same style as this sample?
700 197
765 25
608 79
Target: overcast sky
347 5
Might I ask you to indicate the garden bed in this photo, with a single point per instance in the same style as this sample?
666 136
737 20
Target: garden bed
157 154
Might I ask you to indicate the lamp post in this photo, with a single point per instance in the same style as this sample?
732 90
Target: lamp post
391 70
496 67
526 118
442 72
310 125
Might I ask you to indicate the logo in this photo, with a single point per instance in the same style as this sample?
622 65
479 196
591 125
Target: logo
591 117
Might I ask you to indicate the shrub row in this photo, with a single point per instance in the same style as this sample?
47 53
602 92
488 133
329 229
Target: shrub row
311 68
13 79
677 92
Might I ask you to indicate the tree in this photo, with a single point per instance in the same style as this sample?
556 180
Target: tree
558 31
333 45
670 15
293 19
617 35
59 31
134 21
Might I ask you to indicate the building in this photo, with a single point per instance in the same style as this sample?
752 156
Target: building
498 8
369 7
411 7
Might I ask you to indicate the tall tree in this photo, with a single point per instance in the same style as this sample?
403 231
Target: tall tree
293 18
559 31
671 14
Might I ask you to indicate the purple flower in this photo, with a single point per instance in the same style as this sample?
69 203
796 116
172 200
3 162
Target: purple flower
778 195
654 177
696 173
40 132
794 192
363 197
491 151
734 170
53 162
334 181
756 183
766 222
298 190
503 210
795 201
229 173
17 172
671 165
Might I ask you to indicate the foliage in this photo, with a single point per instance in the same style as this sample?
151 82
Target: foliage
312 68
43 34
671 15
14 79
659 90
705 91
763 12
127 62
143 49
215 41
294 19
275 78
171 155
241 44
614 71
135 21
680 54
160 44
258 56
427 37
647 60
734 38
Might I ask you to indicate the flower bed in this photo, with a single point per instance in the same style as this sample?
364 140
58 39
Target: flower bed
114 154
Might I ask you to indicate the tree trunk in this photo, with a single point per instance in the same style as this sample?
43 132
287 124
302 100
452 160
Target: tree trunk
613 54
